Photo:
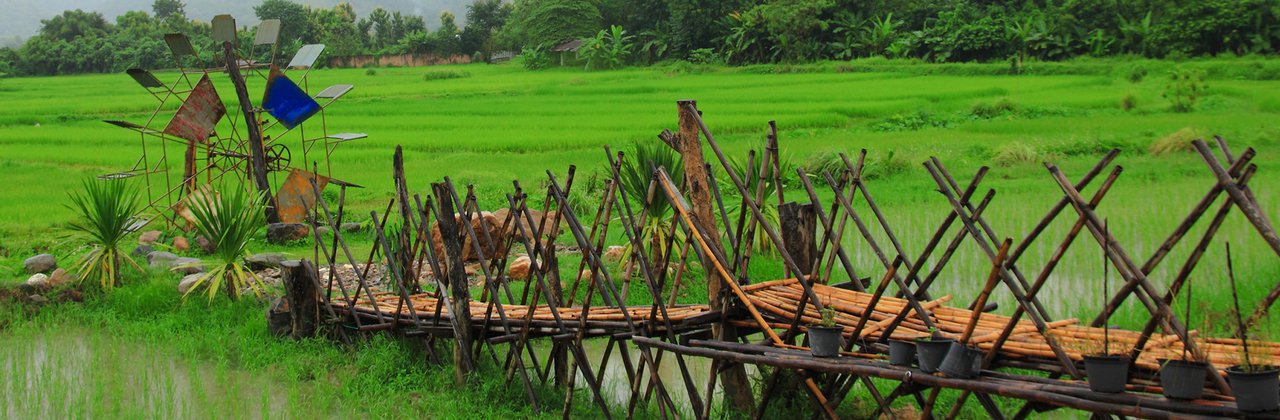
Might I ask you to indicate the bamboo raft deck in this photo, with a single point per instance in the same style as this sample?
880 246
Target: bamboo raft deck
779 300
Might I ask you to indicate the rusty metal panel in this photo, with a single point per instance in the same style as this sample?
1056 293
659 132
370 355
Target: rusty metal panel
198 114
268 32
296 196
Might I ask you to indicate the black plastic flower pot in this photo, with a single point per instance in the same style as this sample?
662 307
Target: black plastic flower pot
824 341
932 352
1107 373
902 353
1255 389
1183 380
962 361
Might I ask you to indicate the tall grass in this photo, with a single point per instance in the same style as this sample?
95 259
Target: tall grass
106 210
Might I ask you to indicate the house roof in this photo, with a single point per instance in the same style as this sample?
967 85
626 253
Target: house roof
570 45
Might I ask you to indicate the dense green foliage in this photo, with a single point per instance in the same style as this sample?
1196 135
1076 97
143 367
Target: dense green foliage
78 41
735 31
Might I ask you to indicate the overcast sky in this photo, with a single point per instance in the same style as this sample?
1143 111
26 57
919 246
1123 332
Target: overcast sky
22 17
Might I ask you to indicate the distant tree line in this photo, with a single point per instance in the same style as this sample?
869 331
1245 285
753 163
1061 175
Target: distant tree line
78 41
641 32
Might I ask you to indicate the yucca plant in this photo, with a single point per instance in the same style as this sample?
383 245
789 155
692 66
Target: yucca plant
228 221
635 173
106 210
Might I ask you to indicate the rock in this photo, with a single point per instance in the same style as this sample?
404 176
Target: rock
350 227
161 259
188 282
205 244
181 244
264 261
38 281
37 299
283 233
187 265
40 263
495 233
60 277
279 323
71 295
324 230
519 269
614 253
143 250
150 237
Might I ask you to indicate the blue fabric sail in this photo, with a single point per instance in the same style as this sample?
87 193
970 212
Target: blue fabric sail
287 102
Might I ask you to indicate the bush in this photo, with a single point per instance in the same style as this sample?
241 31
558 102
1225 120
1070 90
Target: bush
371 72
1179 141
229 221
106 211
445 74
705 56
1129 102
1016 153
536 57
1185 87
881 167
998 108
609 49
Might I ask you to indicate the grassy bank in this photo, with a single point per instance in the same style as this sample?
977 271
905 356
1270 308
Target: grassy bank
488 125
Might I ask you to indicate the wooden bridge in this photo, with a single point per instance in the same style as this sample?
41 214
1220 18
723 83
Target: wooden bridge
765 323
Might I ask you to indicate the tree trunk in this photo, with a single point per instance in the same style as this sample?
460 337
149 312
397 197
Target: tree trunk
459 290
257 158
733 377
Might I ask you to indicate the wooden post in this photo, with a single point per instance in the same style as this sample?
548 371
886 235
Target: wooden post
257 159
734 377
799 227
459 290
302 296
404 255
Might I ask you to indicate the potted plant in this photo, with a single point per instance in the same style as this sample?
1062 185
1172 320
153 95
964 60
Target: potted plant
1255 382
824 338
1184 378
932 350
1106 371
963 360
901 352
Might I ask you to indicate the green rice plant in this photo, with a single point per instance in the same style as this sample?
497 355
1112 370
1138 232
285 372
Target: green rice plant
228 221
105 211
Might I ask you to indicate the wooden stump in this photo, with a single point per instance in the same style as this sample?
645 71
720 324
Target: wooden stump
302 296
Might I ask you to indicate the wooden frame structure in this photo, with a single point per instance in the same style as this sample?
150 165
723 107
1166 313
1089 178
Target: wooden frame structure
422 292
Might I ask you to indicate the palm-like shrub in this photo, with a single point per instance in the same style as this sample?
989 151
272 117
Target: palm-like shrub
636 173
106 210
228 221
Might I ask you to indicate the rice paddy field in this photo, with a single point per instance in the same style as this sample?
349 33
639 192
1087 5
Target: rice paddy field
490 124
